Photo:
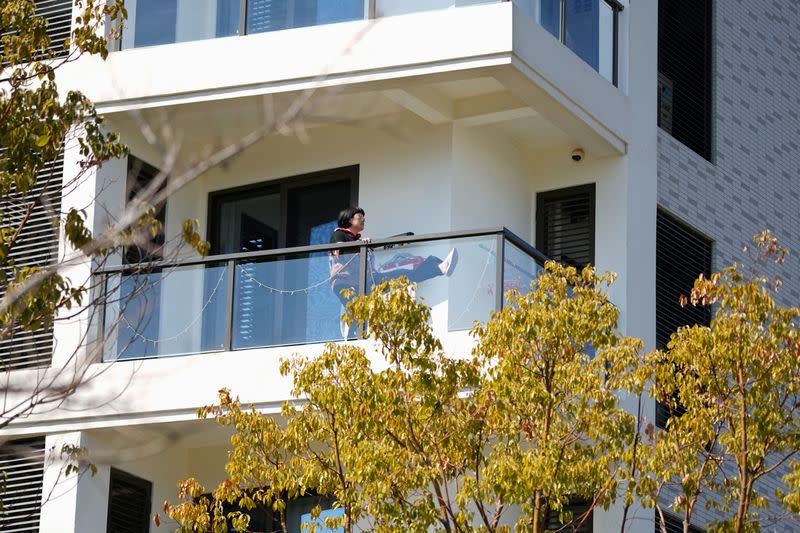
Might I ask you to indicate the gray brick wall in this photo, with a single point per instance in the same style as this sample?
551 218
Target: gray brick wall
754 180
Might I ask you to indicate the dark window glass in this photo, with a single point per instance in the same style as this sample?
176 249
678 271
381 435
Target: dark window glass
294 212
140 176
682 254
565 224
674 525
228 13
580 521
156 22
582 25
129 503
684 72
550 16
272 15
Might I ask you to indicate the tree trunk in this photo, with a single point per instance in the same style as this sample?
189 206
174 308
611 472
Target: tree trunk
536 520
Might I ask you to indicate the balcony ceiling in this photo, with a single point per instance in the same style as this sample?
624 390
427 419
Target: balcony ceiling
480 102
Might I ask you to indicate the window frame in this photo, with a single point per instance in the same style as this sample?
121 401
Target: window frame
280 186
567 192
117 475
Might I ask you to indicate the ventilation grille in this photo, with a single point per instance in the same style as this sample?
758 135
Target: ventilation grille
681 256
128 503
578 509
684 71
565 224
22 461
674 525
37 245
59 21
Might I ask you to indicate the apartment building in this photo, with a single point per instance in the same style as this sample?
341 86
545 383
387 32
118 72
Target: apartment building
504 129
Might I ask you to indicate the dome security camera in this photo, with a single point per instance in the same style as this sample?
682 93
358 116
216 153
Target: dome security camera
577 155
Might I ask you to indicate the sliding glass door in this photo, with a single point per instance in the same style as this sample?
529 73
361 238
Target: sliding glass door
286 299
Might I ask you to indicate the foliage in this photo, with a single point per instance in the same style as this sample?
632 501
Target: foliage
37 123
739 383
420 441
556 369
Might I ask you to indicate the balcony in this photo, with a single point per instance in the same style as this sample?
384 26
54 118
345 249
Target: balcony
590 28
285 297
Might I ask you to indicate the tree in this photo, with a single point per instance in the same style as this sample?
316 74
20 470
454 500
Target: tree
739 384
556 368
37 123
419 440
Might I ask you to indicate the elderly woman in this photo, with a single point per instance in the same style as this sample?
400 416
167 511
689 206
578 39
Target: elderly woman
344 263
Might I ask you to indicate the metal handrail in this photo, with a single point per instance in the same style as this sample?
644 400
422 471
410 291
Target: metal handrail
299 250
229 262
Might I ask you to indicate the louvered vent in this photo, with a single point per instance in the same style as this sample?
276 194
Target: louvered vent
684 72
578 508
682 255
674 525
565 224
37 246
128 503
22 461
59 21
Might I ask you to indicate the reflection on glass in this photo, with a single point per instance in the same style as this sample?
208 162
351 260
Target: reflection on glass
606 42
550 16
588 29
519 270
170 312
273 15
153 22
582 26
285 301
457 300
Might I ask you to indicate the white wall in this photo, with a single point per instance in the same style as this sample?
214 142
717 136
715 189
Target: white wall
404 175
491 182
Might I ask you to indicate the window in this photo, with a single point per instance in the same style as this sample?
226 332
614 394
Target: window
129 503
578 508
590 28
22 461
684 72
674 524
276 214
682 254
155 22
565 224
37 245
298 513
271 15
58 14
287 213
149 248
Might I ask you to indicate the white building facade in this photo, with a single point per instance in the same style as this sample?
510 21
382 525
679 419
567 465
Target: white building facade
501 128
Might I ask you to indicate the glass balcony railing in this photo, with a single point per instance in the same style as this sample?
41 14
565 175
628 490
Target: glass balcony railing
588 27
290 297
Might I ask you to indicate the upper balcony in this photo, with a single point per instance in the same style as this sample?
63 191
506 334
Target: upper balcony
590 28
556 60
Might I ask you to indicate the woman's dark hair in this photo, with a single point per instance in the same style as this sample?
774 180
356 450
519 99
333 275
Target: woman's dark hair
347 214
